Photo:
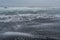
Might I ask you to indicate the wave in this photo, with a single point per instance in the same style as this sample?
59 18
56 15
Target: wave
23 35
28 10
23 17
17 33
28 17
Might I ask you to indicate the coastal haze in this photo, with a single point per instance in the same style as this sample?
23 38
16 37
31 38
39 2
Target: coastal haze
32 3
29 20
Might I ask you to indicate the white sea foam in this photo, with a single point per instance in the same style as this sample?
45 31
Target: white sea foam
17 34
25 8
22 17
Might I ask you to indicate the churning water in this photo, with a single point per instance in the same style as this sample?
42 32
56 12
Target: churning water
39 23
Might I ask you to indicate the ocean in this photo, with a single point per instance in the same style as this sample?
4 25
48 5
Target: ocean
28 23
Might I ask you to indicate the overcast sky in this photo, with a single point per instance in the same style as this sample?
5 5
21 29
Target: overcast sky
37 3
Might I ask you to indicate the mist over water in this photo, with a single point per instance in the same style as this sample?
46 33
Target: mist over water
30 22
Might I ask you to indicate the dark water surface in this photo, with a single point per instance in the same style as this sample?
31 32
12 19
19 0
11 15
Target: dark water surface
29 23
